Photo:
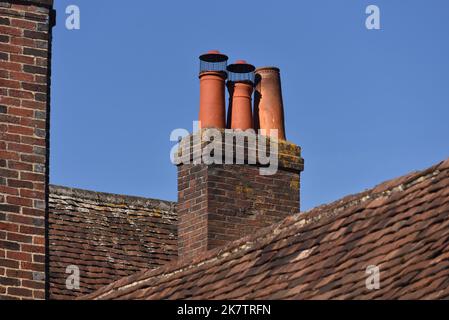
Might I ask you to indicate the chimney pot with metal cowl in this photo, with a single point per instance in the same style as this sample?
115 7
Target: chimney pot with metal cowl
241 87
268 104
212 89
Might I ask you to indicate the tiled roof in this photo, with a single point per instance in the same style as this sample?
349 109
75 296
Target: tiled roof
107 236
401 226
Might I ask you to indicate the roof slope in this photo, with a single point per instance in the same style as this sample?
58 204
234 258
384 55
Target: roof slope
107 236
402 226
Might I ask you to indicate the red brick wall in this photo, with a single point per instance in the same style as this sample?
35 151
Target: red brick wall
192 210
25 37
221 203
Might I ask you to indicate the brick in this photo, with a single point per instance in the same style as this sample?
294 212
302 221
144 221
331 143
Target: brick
20 76
21 112
8 119
20 184
41 133
32 230
7 190
23 42
13 66
20 94
39 204
39 258
40 79
23 202
41 44
33 284
4 74
9 48
10 101
28 176
34 87
32 194
42 97
35 35
19 256
41 61
22 59
32 266
24 24
39 294
4 21
32 141
9 282
12 31
9 245
40 241
40 115
8 173
33 212
20 130
10 137
10 83
9 263
9 208
9 227
36 53
20 292
20 274
17 237
33 249
23 219
34 104
34 69
20 147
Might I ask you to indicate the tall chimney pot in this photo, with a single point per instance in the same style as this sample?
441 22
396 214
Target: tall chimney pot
212 89
268 105
241 87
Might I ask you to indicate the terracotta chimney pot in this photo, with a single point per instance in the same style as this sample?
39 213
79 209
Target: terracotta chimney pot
268 105
241 87
212 90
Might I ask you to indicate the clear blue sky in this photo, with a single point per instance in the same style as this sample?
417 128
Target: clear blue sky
365 105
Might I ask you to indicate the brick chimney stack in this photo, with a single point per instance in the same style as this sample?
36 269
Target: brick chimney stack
25 52
222 202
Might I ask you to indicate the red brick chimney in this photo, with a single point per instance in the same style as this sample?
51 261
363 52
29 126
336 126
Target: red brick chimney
218 203
25 52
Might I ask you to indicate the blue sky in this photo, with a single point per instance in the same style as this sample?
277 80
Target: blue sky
365 105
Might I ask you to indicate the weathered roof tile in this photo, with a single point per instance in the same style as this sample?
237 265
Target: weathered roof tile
107 237
401 226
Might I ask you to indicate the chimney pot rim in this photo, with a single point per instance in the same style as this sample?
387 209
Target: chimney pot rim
241 66
267 68
214 56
